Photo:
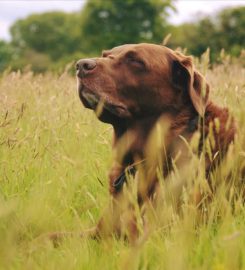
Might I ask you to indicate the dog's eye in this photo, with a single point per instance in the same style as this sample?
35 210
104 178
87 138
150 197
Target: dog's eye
135 61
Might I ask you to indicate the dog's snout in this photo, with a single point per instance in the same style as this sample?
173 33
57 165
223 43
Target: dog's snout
85 65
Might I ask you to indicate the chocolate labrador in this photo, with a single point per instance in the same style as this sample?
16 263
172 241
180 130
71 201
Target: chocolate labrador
134 87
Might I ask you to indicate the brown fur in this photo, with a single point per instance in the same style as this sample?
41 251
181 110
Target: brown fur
140 83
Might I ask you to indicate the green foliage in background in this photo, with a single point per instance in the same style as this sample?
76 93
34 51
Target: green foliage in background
55 34
50 41
107 24
6 54
46 41
223 31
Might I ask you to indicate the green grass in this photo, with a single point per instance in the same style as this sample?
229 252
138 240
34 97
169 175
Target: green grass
54 160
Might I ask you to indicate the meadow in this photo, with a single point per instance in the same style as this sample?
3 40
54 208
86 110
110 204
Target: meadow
54 160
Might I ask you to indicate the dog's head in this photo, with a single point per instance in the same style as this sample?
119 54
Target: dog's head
138 80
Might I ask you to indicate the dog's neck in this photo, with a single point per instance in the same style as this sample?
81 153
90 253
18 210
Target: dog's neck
136 133
184 124
130 139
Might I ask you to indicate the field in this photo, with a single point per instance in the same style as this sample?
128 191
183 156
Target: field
54 160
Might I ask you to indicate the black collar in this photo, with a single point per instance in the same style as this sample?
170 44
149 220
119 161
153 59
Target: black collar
193 124
131 169
118 183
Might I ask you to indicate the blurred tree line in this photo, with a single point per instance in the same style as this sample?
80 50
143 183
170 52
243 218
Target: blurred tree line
50 41
225 31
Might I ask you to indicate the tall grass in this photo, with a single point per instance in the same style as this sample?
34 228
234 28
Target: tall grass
54 159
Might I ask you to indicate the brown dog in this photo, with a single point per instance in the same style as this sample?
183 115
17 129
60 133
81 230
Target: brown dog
132 87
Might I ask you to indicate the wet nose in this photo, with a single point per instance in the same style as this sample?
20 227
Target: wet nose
85 65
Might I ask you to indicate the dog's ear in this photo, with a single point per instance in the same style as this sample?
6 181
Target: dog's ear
185 78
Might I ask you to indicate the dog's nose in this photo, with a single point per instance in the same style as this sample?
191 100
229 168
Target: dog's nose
85 65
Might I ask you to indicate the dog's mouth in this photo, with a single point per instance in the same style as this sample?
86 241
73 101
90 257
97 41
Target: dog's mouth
91 99
101 105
